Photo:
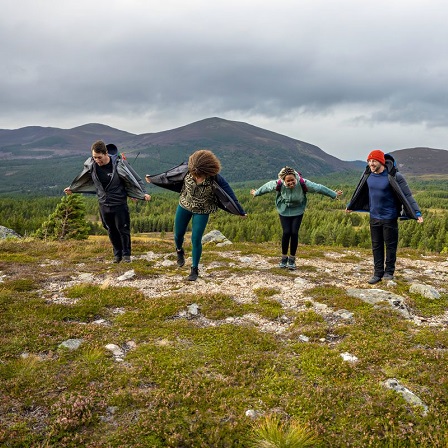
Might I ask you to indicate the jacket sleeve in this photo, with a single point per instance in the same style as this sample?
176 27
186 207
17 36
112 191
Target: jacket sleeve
229 192
83 182
321 189
266 188
410 206
133 183
136 176
360 198
172 179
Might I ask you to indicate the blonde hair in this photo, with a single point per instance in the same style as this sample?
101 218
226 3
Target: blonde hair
203 163
286 171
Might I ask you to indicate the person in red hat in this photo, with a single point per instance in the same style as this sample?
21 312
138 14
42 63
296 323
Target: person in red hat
384 193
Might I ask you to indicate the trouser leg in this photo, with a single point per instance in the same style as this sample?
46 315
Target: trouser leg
108 220
285 222
198 227
295 227
376 233
391 241
123 226
181 220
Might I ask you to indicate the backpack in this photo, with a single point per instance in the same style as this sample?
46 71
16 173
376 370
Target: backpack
301 181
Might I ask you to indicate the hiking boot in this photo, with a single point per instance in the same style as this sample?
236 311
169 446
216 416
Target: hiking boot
193 274
387 276
126 258
283 263
292 263
117 259
180 257
374 280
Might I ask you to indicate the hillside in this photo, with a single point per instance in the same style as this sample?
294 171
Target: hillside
422 161
99 354
45 160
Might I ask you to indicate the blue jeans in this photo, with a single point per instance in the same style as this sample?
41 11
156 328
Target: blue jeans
199 222
384 234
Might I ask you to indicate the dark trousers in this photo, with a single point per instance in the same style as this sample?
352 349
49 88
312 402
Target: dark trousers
384 234
117 222
290 237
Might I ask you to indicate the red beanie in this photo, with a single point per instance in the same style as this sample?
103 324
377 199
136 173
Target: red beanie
377 154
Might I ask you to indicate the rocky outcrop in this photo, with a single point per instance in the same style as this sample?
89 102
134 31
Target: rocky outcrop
8 233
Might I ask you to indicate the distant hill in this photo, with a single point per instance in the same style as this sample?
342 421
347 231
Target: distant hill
39 142
422 161
236 143
38 158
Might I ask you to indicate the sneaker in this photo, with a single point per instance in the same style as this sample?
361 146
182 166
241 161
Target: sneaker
180 257
193 274
117 259
292 263
388 276
283 263
374 280
126 259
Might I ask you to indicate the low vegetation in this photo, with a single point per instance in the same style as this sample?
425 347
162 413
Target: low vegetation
209 381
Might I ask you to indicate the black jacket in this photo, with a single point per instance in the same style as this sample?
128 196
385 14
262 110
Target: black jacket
173 180
407 206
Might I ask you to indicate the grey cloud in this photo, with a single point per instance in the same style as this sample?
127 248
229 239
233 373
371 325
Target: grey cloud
273 60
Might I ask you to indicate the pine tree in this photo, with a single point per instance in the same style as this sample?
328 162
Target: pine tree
66 222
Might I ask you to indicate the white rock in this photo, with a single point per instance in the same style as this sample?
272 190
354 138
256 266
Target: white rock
115 349
407 394
127 275
193 309
424 290
71 344
348 357
86 277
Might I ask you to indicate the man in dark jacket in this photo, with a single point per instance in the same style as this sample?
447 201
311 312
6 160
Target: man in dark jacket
384 192
108 175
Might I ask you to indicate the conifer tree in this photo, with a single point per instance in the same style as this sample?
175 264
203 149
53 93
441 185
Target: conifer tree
66 222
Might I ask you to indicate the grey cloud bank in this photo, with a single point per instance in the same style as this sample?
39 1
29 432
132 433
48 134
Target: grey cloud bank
347 76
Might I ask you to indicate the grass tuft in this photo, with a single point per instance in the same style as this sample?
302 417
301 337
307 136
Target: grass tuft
270 432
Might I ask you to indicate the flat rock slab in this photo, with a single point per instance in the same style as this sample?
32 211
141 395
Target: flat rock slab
377 296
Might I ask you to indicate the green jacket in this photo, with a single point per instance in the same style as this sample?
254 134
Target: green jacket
292 201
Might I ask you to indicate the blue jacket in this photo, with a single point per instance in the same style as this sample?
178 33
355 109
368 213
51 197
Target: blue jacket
173 180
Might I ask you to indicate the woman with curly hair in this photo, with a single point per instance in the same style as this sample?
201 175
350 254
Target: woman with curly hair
291 202
201 187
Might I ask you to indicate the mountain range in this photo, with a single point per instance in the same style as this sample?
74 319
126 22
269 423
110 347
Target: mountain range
247 152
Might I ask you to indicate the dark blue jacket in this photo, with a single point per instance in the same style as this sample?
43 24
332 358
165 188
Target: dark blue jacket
407 207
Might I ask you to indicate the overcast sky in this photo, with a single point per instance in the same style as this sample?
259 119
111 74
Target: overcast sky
347 76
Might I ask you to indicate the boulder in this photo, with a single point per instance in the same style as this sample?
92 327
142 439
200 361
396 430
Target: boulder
8 233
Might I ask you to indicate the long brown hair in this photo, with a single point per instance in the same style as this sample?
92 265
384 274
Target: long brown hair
203 163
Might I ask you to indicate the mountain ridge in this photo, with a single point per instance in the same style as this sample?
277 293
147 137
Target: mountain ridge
247 152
